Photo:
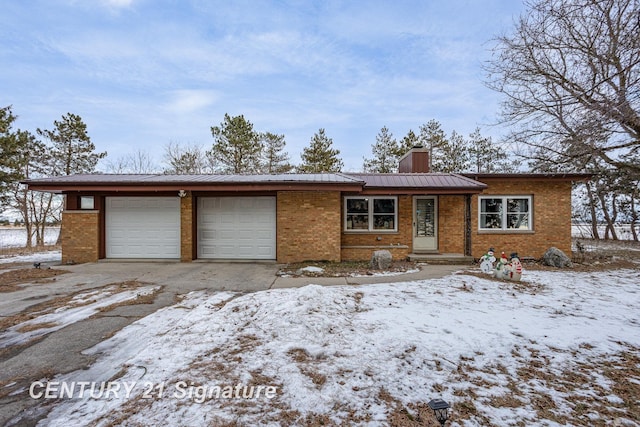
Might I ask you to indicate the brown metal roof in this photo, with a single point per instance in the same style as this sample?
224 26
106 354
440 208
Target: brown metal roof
161 182
159 179
420 181
396 182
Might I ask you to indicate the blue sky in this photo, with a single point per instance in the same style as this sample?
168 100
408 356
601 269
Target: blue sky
143 73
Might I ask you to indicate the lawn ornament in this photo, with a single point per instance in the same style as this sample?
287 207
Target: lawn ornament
487 262
513 270
499 271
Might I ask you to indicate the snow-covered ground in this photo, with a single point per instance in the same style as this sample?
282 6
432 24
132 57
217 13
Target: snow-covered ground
42 257
583 231
540 353
12 237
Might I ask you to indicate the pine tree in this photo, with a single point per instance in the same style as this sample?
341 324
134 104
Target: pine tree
407 143
454 156
385 154
484 156
274 159
72 151
319 156
432 137
236 147
8 152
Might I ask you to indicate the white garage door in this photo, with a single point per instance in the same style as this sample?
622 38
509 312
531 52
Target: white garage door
237 227
142 227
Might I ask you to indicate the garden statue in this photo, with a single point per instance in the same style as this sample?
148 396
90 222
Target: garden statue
513 270
499 271
486 261
503 268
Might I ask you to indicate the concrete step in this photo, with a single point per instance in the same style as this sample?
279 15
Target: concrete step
436 258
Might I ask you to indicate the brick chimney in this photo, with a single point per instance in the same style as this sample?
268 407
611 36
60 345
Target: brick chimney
415 161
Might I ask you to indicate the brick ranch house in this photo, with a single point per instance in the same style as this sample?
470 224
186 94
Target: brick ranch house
298 217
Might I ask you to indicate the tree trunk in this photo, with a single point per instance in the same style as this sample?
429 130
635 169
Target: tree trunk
607 217
592 210
634 217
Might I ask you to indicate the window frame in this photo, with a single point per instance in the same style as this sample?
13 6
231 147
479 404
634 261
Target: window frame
505 213
370 214
83 203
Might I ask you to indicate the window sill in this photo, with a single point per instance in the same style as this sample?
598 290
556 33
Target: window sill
506 231
370 232
376 247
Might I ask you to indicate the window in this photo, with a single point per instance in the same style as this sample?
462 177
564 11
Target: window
371 213
505 213
86 202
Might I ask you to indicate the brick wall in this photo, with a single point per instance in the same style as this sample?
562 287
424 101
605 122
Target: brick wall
308 226
80 236
186 228
451 224
551 218
358 246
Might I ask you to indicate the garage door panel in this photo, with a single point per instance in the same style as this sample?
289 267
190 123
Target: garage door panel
237 227
143 227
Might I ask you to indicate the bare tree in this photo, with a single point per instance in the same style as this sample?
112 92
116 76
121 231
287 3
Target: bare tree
36 208
185 159
137 162
570 74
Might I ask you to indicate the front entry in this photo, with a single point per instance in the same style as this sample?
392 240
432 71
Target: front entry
425 224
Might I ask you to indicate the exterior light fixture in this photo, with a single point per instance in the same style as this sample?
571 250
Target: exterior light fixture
440 409
182 193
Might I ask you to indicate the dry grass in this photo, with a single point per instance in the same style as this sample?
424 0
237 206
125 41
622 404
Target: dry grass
10 280
35 326
576 384
10 385
139 299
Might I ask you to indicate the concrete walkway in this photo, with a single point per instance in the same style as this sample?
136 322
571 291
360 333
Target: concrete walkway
427 272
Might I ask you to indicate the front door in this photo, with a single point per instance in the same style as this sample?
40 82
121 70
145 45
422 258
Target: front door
425 223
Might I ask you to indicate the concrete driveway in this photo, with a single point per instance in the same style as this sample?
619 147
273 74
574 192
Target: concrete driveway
61 351
177 278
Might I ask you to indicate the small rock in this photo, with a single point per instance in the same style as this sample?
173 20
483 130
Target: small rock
381 260
554 257
310 269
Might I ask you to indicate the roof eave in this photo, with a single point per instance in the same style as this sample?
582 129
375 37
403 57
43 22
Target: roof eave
544 176
423 190
53 187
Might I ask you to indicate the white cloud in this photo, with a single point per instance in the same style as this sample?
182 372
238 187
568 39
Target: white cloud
118 4
190 100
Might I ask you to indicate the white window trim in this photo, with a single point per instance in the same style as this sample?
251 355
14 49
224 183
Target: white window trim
504 198
371 215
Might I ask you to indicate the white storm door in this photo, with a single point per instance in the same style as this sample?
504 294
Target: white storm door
425 223
142 227
237 228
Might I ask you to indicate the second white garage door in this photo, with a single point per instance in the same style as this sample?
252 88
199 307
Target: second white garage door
237 227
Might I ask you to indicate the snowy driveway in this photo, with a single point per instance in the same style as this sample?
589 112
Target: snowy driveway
46 326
